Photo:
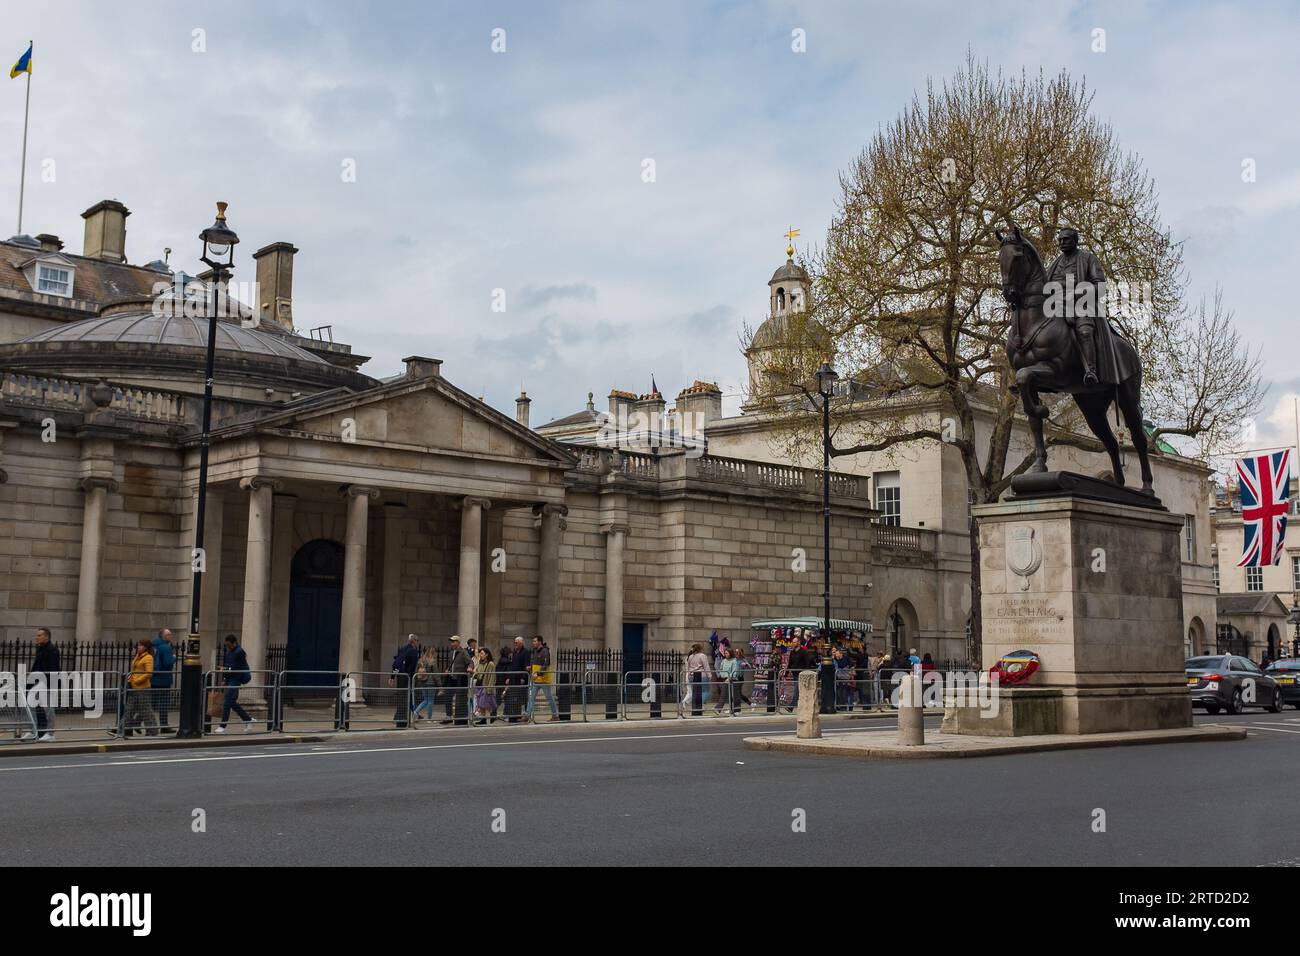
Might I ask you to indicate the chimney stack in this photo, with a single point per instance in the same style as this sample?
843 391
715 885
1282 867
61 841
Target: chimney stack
49 243
275 283
417 367
521 407
106 231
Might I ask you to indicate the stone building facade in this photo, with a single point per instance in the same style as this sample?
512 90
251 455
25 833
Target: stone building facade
345 511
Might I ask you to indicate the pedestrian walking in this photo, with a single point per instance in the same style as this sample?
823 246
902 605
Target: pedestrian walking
542 677
164 664
729 675
45 661
697 673
517 690
456 685
426 683
485 687
139 690
405 662
234 675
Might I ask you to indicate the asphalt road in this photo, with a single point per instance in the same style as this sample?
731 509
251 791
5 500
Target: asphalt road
673 793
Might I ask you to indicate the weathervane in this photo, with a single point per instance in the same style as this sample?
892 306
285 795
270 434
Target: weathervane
789 235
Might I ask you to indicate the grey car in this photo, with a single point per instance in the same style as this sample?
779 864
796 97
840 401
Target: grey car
1231 683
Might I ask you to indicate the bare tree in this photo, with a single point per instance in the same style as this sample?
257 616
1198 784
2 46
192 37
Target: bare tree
906 292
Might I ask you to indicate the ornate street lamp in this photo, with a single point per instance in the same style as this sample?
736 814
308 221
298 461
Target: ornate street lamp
826 379
219 242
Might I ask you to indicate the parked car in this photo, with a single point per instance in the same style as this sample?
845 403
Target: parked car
1231 683
1287 675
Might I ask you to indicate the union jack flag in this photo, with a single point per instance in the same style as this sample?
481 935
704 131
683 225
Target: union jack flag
1265 482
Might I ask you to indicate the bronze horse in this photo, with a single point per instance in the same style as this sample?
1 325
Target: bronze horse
1043 351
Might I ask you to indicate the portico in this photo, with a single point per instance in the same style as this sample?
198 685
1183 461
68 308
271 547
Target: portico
413 481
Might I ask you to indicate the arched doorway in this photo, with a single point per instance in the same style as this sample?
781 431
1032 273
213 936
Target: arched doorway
1274 642
900 625
1195 638
315 608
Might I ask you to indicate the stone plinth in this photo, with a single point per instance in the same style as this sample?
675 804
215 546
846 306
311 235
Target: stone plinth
1094 588
808 719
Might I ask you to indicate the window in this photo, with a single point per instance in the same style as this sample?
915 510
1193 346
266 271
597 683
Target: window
1295 574
889 498
1189 538
1214 570
53 280
1254 579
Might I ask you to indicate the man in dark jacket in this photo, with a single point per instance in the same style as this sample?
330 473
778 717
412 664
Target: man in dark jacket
405 661
234 674
164 662
45 662
456 685
517 680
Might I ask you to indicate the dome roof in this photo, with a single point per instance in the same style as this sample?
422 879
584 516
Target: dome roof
788 272
146 328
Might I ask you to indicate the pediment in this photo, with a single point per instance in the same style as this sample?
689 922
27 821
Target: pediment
432 415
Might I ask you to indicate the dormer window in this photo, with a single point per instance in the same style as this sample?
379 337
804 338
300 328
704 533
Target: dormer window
50 274
53 280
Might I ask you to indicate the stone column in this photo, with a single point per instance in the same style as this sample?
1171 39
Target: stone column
471 538
390 612
257 571
210 600
352 630
548 571
490 588
282 550
615 537
89 625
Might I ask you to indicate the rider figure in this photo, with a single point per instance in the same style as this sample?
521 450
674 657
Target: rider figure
1082 312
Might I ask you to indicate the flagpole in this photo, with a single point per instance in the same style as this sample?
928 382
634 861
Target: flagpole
22 175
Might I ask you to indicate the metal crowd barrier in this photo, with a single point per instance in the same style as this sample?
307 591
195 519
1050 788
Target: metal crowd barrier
600 695
74 719
308 700
488 704
651 695
17 723
256 698
553 700
373 700
512 697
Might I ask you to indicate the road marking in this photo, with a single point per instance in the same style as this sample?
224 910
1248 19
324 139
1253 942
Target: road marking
1274 728
378 750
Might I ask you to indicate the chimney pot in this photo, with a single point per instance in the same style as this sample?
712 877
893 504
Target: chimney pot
49 243
521 408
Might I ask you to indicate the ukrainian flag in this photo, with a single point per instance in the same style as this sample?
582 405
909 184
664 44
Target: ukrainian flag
24 64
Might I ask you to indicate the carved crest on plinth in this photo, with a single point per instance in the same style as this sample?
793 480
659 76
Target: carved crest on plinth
1024 553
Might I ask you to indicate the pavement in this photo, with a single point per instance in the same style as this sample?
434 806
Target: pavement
883 744
680 791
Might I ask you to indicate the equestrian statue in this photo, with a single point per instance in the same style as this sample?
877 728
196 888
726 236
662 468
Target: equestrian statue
1059 340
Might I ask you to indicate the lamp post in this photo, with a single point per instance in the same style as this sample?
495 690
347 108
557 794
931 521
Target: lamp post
1294 618
826 379
219 242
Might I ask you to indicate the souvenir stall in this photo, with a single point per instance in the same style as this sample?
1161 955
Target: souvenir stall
773 640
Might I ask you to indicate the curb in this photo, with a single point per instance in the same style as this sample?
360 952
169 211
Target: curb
923 752
85 747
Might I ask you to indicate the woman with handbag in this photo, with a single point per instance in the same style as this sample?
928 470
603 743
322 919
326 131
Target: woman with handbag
485 687
138 712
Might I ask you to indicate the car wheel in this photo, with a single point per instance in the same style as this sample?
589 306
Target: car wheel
1235 705
1212 709
1277 704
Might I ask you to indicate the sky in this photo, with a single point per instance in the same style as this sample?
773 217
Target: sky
426 176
